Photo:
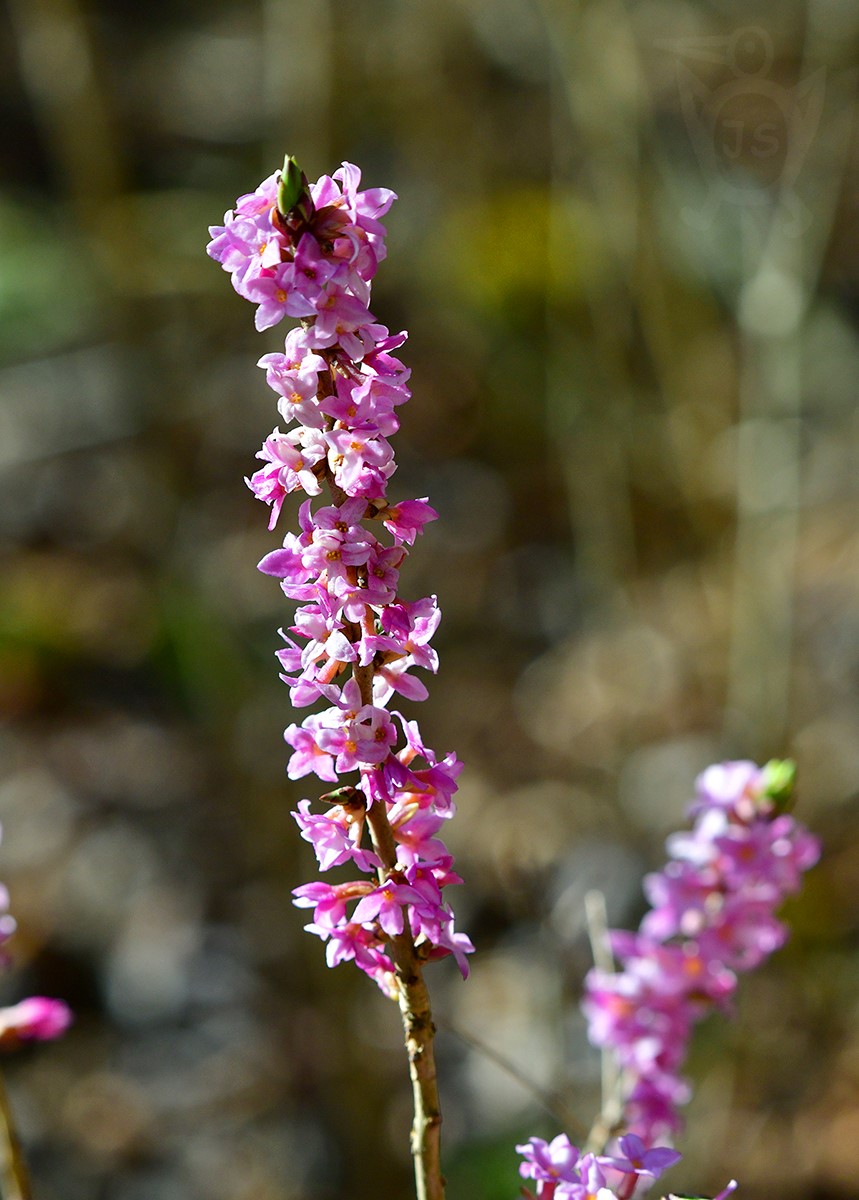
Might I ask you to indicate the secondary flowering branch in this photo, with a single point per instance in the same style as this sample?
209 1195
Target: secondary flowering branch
310 252
712 916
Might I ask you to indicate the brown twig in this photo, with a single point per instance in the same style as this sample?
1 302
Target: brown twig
552 1104
13 1170
414 1002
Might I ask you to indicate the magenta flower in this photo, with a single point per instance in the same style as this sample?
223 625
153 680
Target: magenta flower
38 1018
365 399
360 461
553 1161
385 905
312 270
407 519
357 944
636 1159
335 838
364 737
328 901
272 290
286 563
459 945
308 755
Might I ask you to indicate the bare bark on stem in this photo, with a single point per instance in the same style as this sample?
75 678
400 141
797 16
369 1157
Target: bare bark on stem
419 1031
414 1001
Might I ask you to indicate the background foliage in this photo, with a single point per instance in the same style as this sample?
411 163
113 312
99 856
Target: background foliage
628 261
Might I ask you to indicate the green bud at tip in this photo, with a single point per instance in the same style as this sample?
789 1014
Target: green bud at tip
291 186
343 795
779 779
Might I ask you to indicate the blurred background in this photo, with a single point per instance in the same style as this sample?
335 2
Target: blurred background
627 252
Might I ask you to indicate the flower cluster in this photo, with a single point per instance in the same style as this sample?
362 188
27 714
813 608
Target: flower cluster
712 916
561 1172
310 251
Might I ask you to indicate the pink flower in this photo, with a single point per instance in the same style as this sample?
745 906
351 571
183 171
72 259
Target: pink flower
356 735
308 754
329 901
360 461
366 400
553 1161
37 1018
292 458
272 290
333 837
636 1159
457 944
312 270
385 905
353 942
407 519
338 317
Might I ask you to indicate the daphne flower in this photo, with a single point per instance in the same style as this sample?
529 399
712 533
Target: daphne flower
636 1159
333 839
550 1161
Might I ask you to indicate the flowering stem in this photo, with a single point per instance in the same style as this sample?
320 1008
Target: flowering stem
310 251
13 1170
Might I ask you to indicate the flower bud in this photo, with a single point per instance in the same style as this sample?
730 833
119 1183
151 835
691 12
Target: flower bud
293 194
779 776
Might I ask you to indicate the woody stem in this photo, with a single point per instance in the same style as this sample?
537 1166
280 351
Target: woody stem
414 1001
14 1179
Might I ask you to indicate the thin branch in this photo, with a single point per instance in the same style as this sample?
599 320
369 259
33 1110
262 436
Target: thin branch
596 918
611 1108
565 1117
414 1002
13 1170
